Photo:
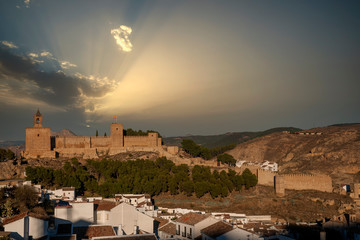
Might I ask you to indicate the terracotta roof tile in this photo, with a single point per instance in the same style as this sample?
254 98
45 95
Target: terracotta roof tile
22 215
217 229
93 231
104 205
169 228
14 218
192 218
161 221
132 237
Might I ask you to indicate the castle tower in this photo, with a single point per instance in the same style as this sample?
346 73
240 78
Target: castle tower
38 119
38 140
117 136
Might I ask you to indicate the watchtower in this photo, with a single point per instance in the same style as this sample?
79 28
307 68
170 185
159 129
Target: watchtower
38 119
38 141
117 135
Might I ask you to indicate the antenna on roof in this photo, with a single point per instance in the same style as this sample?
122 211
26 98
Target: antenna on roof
114 119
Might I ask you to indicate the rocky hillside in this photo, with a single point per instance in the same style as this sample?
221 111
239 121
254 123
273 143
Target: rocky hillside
63 133
224 139
335 152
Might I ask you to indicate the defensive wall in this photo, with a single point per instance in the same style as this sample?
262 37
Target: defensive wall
40 143
302 182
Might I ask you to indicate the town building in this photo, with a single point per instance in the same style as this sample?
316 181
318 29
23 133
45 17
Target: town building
189 225
26 226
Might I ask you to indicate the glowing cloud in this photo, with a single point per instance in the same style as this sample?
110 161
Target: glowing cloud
27 3
45 54
33 55
9 44
66 65
121 36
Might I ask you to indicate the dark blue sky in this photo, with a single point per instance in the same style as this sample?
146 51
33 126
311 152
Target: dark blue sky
179 67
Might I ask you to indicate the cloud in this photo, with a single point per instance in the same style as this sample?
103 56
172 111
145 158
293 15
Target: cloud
45 54
33 55
66 64
27 3
121 36
23 81
9 44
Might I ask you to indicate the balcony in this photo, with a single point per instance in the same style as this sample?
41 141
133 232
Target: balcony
183 234
177 232
189 236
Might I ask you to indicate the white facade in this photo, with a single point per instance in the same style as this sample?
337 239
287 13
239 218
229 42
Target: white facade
66 193
80 214
128 217
238 233
270 166
27 226
142 201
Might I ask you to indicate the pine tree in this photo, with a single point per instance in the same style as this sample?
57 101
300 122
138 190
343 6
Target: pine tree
97 133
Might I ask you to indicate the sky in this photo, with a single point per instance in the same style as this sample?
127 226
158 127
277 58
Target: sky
178 67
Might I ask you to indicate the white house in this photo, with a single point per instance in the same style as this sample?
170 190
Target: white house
167 231
65 193
25 225
239 163
126 218
79 213
238 233
137 200
189 225
270 166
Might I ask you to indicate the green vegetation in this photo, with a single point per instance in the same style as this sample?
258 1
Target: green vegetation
108 177
6 155
17 199
226 159
131 132
196 150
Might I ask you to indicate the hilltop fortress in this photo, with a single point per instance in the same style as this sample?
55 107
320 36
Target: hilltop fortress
40 143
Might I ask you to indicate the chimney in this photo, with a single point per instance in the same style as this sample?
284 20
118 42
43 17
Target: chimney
323 235
120 231
136 229
26 227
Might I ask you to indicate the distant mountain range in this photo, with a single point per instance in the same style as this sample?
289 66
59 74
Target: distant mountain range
225 139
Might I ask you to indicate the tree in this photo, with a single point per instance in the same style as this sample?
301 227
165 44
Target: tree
25 198
97 133
105 134
250 180
226 159
188 187
201 188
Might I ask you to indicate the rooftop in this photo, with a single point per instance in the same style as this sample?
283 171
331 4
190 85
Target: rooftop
169 228
217 229
88 232
104 205
192 218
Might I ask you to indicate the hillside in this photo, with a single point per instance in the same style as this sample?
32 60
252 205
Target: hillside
335 152
224 139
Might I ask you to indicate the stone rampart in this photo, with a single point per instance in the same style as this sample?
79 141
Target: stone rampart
97 142
302 182
266 177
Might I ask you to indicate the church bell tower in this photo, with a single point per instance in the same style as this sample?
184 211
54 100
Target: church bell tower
38 119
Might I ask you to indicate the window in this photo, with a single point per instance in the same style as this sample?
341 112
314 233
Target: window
38 135
107 216
37 120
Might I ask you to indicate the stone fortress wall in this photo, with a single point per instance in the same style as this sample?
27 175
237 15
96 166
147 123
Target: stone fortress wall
40 144
302 182
281 182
